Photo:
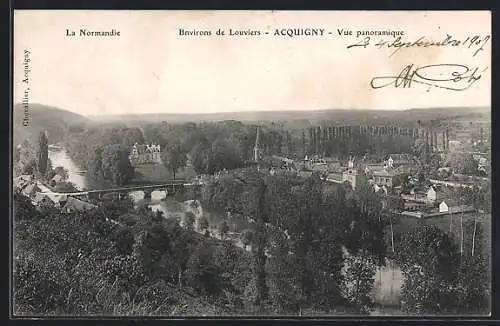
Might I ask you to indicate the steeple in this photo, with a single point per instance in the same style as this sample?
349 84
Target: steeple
256 149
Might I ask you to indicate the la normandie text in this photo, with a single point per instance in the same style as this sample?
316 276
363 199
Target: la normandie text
83 32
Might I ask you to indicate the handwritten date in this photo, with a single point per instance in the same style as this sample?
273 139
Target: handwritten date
453 77
475 43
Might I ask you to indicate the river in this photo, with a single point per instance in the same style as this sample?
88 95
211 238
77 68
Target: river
61 158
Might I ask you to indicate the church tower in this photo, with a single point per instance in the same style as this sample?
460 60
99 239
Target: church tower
257 150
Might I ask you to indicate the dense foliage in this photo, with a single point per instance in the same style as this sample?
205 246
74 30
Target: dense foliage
278 243
140 264
438 278
104 154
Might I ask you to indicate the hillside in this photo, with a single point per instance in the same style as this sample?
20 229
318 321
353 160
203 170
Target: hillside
42 117
300 119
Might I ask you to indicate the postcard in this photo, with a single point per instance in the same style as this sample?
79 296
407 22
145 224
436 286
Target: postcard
251 163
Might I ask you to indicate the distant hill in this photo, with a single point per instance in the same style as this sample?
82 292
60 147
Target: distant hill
302 118
55 121
41 118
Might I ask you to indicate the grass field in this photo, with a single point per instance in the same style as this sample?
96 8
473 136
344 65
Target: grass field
150 174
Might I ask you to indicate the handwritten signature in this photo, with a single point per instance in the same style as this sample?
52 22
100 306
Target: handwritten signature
453 77
474 43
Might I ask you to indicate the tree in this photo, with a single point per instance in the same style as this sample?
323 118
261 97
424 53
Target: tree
223 228
116 165
359 279
419 148
124 240
202 272
174 158
462 163
284 292
203 223
224 156
395 203
189 220
474 281
42 153
95 173
427 257
247 237
201 157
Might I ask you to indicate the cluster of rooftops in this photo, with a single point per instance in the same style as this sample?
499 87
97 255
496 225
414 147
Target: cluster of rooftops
30 188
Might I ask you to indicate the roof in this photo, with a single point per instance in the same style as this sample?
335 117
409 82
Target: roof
57 178
30 189
453 202
383 173
39 196
284 159
336 169
56 198
400 157
432 188
78 204
351 172
402 169
305 174
375 167
141 149
334 176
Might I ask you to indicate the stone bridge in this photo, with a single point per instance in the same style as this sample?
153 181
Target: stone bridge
169 188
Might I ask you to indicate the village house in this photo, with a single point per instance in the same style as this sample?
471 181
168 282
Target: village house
283 163
334 177
414 205
73 204
395 160
50 199
58 199
383 177
437 193
455 145
145 154
56 180
334 165
42 199
415 195
316 163
352 174
370 168
453 206
31 190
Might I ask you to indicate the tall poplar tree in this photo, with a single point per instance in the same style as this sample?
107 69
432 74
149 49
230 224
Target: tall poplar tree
43 153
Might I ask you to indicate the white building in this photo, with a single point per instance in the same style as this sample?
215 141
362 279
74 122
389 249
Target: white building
453 206
145 154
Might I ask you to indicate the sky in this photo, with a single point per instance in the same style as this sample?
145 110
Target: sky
150 68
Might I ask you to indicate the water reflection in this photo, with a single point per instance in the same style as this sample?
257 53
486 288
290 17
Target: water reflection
61 158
